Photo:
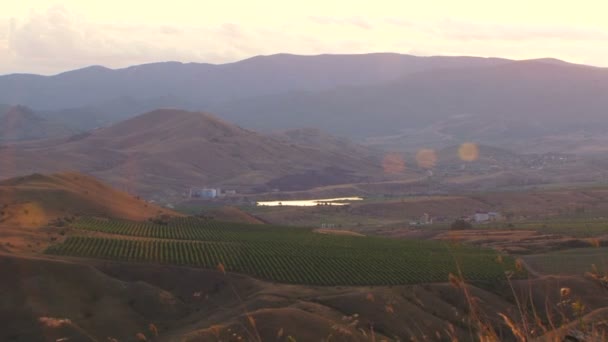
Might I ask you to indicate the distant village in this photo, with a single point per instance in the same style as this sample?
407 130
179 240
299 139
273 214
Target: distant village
479 217
210 193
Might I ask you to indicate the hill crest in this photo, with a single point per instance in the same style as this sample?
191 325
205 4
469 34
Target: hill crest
34 200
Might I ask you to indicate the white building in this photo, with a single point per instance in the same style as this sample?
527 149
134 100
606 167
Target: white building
481 217
206 193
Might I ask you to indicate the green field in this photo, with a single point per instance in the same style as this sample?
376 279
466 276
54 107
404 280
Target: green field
570 262
289 255
576 227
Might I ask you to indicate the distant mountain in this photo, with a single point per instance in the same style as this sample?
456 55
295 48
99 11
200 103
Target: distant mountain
317 139
511 104
171 150
18 123
203 84
389 101
97 96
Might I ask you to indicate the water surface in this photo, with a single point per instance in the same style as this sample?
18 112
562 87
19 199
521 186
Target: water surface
311 202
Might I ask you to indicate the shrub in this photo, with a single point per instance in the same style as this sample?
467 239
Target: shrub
460 224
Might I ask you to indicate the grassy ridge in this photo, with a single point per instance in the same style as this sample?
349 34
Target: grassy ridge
290 255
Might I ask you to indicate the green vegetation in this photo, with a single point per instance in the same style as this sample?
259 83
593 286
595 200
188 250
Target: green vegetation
570 262
461 224
290 255
570 227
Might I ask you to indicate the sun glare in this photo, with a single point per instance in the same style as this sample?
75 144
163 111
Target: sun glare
468 152
393 163
426 158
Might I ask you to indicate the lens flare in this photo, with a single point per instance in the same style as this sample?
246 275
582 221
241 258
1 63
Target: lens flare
426 158
468 152
393 163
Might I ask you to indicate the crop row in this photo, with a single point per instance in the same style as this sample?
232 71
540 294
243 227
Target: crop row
183 229
287 239
289 262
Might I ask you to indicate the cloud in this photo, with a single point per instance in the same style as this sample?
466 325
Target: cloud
351 21
463 31
57 40
483 31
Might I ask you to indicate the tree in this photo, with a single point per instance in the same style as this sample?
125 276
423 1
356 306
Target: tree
460 224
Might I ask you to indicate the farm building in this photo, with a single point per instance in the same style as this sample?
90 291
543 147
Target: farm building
482 217
206 193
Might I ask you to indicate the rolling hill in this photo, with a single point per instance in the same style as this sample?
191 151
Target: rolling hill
169 151
36 208
202 84
388 100
46 197
515 105
19 123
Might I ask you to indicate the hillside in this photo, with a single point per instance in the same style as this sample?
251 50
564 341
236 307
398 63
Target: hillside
317 139
67 194
32 204
514 105
201 83
168 151
390 101
19 123
47 300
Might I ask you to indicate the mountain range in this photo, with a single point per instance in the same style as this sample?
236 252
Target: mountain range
390 101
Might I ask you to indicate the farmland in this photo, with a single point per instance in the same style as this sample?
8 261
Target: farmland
571 262
576 227
287 255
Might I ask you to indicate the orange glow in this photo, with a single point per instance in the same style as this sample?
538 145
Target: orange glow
426 158
393 163
468 152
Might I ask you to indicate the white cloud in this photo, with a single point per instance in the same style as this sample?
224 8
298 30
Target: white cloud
349 21
464 30
57 39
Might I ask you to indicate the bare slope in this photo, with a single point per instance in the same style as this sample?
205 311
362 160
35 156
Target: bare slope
18 123
46 300
45 197
188 304
30 204
513 104
172 150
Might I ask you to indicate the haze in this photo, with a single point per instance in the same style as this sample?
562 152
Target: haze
47 37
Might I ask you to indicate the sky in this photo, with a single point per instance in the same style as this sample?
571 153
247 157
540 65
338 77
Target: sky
48 37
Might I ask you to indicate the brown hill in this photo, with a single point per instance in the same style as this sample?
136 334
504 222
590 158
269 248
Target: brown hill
167 151
45 300
67 194
18 123
30 204
318 139
187 304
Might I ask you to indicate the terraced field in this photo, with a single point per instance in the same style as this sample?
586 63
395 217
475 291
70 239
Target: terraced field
290 255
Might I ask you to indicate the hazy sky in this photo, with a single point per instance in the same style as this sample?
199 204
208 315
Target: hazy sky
47 37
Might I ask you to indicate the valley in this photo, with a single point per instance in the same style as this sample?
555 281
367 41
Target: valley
197 278
371 197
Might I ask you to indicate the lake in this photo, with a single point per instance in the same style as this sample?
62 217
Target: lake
311 202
